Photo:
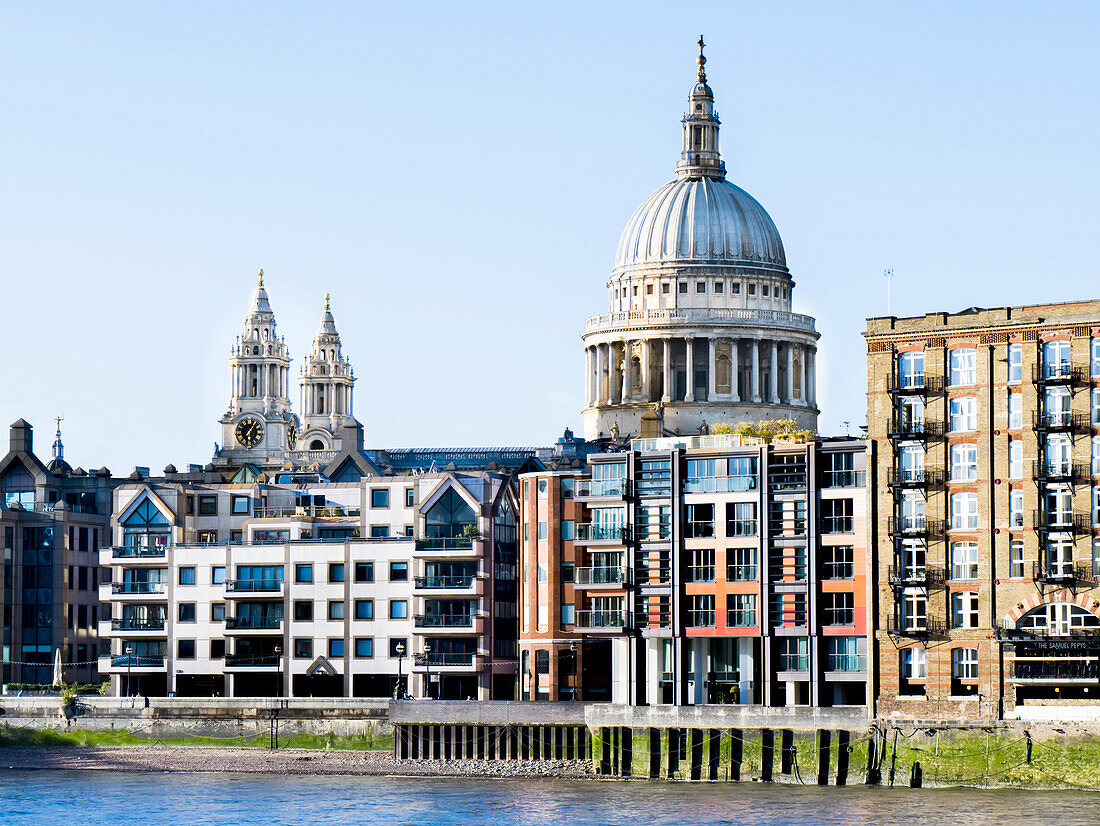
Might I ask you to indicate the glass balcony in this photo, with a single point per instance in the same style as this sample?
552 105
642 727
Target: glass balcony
612 532
253 623
253 586
442 583
605 619
594 488
443 621
600 576
137 587
446 543
137 661
138 553
137 624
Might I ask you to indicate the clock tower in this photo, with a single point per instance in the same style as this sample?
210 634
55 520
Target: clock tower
327 383
258 428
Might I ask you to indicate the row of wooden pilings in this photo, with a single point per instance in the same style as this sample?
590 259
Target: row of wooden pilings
671 753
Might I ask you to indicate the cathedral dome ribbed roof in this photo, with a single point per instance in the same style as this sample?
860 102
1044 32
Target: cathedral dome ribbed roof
704 219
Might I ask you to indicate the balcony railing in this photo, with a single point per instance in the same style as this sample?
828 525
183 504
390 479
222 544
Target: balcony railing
913 384
137 587
443 621
915 526
601 619
1055 670
1060 420
916 430
299 512
1057 374
137 661
446 543
253 623
592 488
918 628
741 618
837 524
1060 572
443 583
590 532
921 477
1060 472
909 576
252 660
601 576
253 585
137 624
741 527
1041 520
720 484
844 479
138 553
447 660
846 662
702 618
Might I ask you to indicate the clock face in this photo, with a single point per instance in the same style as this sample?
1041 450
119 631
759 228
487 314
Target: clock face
291 436
249 432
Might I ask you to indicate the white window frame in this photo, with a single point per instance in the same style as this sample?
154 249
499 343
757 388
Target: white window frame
1016 508
1015 363
1016 558
964 414
964 560
964 663
1015 410
911 369
963 363
1016 459
964 462
914 663
965 611
964 511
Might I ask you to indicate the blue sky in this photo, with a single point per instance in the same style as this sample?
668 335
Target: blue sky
457 175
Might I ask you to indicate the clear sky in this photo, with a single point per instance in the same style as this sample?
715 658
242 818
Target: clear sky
457 175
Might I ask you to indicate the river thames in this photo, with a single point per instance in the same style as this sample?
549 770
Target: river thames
39 797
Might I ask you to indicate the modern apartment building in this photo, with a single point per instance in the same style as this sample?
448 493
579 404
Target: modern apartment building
53 521
983 431
690 570
301 586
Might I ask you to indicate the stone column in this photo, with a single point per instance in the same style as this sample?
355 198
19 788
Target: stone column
624 373
735 369
802 374
774 372
647 387
712 382
690 364
755 379
811 379
602 387
666 394
790 372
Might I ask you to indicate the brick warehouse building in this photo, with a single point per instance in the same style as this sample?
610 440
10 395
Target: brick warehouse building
985 455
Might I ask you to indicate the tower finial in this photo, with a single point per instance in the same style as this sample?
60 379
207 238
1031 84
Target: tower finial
58 447
260 283
702 61
326 303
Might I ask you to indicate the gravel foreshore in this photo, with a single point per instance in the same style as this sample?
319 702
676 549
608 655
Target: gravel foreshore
282 761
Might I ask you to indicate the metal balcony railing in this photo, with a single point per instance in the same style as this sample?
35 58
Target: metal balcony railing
446 543
915 526
452 583
138 553
921 477
253 585
1060 572
253 623
701 618
720 484
1057 374
741 527
593 488
1060 420
137 624
602 619
591 532
741 618
914 384
914 430
252 660
601 576
846 662
909 576
1060 472
918 628
698 530
443 621
844 479
447 660
137 587
1041 520
137 661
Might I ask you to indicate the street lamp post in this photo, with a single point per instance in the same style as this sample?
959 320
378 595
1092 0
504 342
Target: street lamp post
428 669
279 670
573 649
129 659
398 691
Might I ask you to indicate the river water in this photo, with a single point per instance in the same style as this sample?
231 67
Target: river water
57 797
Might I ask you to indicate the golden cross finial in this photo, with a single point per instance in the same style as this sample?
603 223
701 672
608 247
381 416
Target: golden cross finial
702 61
261 281
59 420
326 302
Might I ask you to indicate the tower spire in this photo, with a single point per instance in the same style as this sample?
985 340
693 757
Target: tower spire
58 447
700 157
